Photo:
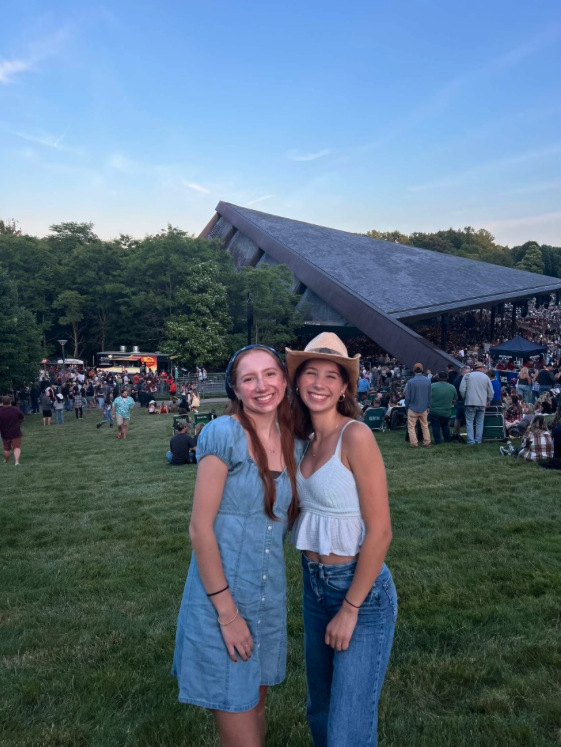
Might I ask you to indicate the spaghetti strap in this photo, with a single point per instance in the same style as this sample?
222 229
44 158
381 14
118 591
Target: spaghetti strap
339 442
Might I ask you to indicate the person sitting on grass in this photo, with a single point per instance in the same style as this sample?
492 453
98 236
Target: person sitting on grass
554 463
181 445
514 413
536 444
152 408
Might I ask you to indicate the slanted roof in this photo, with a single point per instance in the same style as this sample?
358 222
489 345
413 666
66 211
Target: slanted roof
374 284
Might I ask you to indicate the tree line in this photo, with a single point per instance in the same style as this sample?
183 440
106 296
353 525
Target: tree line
480 245
170 291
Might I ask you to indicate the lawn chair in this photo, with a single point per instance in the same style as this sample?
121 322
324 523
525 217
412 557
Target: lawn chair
374 418
494 424
202 417
398 418
176 418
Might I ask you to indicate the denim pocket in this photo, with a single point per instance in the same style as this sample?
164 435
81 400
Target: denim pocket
340 580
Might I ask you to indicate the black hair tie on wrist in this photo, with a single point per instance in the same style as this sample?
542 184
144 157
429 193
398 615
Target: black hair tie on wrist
214 593
356 606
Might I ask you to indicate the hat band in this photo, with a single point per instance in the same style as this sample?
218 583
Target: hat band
329 351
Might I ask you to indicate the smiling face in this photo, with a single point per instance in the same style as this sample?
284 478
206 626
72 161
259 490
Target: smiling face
260 383
321 385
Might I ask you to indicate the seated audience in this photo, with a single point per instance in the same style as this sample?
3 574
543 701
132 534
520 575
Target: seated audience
180 445
554 463
536 443
514 413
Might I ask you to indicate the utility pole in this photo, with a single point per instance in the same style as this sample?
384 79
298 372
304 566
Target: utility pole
249 317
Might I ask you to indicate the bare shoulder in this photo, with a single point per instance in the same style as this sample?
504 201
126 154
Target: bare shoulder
358 435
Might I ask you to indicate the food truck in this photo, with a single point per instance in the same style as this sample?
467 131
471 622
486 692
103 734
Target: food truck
133 360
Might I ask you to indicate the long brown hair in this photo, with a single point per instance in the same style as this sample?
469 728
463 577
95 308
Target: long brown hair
303 428
284 418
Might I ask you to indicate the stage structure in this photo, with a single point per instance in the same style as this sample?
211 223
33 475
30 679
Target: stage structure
348 280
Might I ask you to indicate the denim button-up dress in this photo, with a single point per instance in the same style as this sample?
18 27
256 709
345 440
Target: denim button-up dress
251 549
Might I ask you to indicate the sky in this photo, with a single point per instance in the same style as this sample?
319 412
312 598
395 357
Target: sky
375 114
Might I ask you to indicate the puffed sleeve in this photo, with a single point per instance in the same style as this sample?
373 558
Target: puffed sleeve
218 438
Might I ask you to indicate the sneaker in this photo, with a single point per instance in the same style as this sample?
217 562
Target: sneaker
99 425
111 425
505 452
119 435
16 464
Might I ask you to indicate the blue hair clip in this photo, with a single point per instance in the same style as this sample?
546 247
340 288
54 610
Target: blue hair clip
256 346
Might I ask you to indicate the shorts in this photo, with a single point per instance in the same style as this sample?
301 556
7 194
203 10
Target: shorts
11 443
122 420
47 413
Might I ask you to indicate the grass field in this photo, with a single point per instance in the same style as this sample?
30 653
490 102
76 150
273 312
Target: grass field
94 552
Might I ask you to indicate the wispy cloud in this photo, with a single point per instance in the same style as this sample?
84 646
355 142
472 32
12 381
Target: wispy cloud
295 156
196 187
456 180
529 189
10 68
530 220
455 87
124 164
45 139
259 199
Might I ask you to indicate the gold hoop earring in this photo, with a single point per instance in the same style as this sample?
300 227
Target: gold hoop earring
341 398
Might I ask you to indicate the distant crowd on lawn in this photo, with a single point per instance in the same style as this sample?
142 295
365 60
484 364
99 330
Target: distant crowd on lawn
65 389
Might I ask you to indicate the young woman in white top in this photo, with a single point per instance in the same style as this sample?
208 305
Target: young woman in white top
350 602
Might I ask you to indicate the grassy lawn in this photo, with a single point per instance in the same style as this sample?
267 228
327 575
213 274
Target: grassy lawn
94 552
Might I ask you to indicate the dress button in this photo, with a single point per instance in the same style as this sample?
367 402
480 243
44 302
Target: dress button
264 577
267 551
262 599
270 527
258 645
258 622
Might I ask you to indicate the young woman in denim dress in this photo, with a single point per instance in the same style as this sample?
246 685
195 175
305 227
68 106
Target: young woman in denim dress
231 631
350 602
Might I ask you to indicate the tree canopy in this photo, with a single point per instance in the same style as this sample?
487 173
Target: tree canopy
170 291
480 244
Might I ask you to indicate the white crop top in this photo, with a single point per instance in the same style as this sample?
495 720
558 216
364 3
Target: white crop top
330 520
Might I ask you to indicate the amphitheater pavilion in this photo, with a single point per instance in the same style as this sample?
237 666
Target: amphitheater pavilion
352 282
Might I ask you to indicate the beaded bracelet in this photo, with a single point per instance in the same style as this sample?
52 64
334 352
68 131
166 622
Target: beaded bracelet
229 621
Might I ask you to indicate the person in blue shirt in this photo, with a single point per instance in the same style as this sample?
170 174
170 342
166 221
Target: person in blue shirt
363 387
492 374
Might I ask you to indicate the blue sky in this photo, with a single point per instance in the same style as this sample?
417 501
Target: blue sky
372 114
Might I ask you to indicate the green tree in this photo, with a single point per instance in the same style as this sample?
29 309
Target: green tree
198 335
275 316
20 339
72 304
532 260
9 227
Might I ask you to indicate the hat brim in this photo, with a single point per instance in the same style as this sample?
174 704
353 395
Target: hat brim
295 358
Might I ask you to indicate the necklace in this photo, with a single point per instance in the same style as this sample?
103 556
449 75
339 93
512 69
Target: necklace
325 439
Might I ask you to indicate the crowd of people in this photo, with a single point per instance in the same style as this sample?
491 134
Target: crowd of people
425 402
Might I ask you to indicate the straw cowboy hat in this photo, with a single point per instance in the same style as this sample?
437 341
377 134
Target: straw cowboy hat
325 347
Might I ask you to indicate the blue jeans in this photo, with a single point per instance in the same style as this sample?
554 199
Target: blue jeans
169 456
59 417
475 413
344 686
437 422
